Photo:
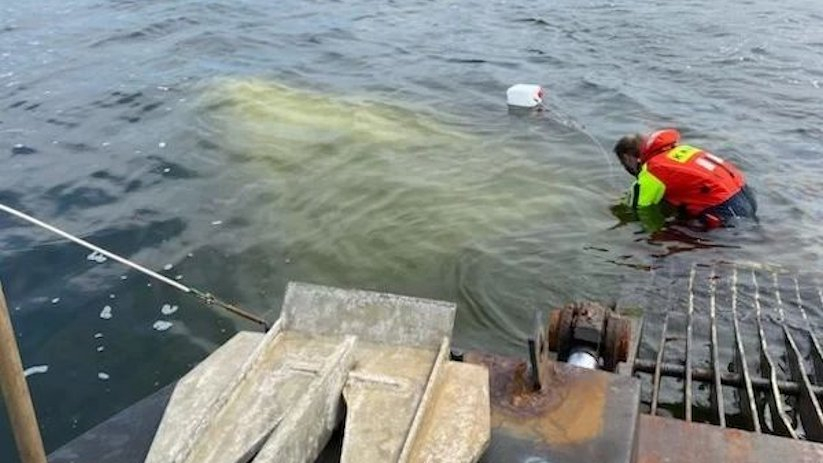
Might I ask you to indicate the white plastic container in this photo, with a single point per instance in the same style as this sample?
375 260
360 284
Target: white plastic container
524 95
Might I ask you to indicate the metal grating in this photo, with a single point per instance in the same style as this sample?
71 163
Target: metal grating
734 345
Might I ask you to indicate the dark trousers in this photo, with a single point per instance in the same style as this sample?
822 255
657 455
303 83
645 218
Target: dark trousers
742 205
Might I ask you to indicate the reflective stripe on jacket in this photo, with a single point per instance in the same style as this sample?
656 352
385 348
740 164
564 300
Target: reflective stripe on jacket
687 178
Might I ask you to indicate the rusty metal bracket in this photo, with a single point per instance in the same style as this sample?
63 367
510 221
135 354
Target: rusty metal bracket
577 415
539 351
591 328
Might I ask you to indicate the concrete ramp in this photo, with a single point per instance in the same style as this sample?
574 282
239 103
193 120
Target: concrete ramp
399 339
277 398
379 318
382 397
454 421
195 397
303 433
291 376
251 389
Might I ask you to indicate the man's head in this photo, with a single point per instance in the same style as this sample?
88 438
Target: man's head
627 150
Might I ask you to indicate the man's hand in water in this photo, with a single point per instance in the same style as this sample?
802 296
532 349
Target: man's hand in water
652 218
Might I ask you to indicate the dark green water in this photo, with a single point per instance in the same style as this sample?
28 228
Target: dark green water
240 145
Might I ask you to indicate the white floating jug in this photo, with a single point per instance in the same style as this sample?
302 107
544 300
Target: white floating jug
524 95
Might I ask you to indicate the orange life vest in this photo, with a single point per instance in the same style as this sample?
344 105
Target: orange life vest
695 179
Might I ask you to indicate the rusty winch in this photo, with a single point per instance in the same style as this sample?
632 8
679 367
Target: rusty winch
589 335
584 334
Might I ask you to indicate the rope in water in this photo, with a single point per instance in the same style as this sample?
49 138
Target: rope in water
205 297
569 121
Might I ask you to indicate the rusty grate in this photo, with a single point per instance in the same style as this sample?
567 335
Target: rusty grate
734 345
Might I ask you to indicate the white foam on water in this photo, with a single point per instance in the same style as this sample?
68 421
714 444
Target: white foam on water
168 309
105 314
162 325
37 369
96 257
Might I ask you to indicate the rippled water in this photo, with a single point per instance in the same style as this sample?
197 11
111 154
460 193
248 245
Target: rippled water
239 145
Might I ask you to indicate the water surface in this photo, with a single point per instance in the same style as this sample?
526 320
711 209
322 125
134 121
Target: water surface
240 145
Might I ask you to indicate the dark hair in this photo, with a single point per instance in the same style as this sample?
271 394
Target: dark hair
630 144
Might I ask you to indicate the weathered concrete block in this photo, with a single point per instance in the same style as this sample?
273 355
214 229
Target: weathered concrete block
455 425
382 395
194 397
282 403
372 317
301 436
288 364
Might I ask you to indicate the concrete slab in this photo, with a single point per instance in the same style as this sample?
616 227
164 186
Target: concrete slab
281 403
382 395
455 426
195 395
305 431
283 374
372 317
